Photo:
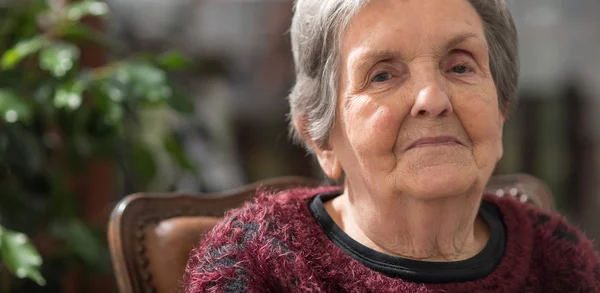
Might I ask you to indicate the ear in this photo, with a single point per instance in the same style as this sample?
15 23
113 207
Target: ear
329 162
325 154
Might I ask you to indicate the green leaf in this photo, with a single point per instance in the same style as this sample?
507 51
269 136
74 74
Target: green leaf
173 61
70 95
148 83
59 58
114 115
112 91
182 102
83 242
13 108
86 8
78 32
108 99
23 49
173 146
20 256
143 163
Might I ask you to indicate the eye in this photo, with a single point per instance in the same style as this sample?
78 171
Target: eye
381 77
460 69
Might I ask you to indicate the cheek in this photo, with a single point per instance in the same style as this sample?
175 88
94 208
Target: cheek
372 126
480 116
481 122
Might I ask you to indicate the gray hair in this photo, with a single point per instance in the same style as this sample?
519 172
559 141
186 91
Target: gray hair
316 29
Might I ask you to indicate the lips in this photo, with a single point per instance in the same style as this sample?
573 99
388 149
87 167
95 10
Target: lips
434 141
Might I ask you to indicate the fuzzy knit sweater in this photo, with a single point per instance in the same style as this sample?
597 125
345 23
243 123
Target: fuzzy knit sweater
287 243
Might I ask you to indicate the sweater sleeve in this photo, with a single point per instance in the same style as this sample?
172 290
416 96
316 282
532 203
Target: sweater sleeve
570 261
246 252
223 260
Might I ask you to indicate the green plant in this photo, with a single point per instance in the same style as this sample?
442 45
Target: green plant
57 117
20 256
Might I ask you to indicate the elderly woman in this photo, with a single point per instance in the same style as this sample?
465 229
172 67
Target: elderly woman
404 102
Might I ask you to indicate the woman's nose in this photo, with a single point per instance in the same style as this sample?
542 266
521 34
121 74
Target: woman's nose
431 101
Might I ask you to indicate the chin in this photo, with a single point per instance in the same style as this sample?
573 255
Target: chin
441 181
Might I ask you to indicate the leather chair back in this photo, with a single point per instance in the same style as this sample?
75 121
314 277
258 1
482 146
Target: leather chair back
151 235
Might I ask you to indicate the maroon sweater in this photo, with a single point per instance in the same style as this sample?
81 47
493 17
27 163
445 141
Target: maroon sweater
284 243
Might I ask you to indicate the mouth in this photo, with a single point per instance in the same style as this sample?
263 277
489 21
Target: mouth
434 142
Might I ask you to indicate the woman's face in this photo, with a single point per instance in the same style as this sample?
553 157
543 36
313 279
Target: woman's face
418 109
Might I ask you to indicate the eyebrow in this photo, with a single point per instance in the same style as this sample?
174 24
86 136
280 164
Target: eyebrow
370 56
454 42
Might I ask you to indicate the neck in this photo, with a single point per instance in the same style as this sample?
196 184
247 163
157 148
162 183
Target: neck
446 229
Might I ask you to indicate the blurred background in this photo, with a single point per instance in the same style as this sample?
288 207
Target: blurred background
99 99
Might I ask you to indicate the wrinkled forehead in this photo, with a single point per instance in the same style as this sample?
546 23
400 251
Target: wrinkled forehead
410 27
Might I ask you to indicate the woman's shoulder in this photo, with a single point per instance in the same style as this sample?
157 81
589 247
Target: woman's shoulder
547 226
559 251
262 215
238 250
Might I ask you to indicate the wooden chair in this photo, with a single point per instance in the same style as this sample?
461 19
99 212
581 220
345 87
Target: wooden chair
151 235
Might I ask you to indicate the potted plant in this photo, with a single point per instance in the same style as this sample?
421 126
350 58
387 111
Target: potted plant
58 121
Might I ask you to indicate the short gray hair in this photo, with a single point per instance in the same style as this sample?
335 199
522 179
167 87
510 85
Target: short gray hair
316 29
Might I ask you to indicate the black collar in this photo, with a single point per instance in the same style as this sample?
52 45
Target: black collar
477 267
